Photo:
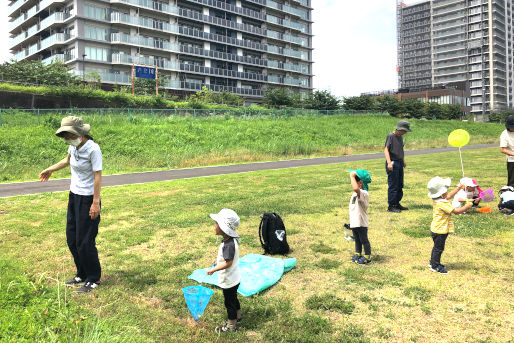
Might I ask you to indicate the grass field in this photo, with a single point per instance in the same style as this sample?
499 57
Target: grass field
152 236
144 144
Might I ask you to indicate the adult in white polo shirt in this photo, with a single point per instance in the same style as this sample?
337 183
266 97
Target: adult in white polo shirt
85 159
507 146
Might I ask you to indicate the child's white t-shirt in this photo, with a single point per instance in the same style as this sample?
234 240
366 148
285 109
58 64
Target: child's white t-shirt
228 277
463 194
507 196
358 207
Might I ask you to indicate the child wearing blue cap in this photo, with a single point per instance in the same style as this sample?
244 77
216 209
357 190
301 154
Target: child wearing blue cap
359 222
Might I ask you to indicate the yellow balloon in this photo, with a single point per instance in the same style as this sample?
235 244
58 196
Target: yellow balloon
458 138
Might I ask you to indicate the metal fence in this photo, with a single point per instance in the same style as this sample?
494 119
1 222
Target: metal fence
20 117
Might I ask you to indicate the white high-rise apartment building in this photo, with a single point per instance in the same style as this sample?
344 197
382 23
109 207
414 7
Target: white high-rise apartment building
466 44
242 46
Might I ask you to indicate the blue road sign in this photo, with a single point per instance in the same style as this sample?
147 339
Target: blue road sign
145 72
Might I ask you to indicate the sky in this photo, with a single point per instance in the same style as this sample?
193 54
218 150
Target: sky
354 45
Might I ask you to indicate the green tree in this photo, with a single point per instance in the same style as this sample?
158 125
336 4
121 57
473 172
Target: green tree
35 72
278 97
413 108
451 111
147 86
208 96
390 104
433 110
360 103
322 100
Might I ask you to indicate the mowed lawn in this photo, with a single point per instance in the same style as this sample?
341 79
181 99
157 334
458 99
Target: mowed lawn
152 236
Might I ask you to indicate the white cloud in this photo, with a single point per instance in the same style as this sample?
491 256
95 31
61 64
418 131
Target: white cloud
355 45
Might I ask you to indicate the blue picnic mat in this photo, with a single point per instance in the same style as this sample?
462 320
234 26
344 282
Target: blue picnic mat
258 272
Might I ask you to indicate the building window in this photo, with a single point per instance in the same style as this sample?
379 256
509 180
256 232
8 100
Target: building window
95 12
96 33
98 54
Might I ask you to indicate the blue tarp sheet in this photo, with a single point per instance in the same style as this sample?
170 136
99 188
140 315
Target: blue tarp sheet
258 272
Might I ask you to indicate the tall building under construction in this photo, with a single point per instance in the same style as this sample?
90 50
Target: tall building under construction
241 46
464 44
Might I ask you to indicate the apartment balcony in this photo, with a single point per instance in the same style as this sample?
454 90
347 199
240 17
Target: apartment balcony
18 5
222 39
221 22
222 73
222 56
123 38
45 4
288 38
55 18
55 39
243 59
156 6
290 81
166 64
196 86
231 8
148 23
287 9
442 3
288 66
58 58
302 2
294 53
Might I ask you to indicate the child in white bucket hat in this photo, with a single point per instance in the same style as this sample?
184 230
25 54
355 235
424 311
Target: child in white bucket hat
226 264
442 222
470 192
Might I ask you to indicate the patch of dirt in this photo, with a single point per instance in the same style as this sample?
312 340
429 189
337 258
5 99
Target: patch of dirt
148 301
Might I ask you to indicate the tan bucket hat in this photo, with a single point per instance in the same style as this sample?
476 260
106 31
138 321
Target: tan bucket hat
73 125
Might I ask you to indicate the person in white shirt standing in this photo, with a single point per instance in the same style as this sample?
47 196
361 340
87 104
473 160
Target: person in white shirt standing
507 146
85 158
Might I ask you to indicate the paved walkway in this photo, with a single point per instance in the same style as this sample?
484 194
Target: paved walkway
59 185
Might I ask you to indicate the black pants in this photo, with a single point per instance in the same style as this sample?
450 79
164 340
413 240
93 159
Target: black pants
360 234
81 233
510 174
231 302
508 204
437 250
395 183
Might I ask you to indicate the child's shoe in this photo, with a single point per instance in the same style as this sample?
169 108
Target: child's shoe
363 260
507 211
224 328
229 326
355 258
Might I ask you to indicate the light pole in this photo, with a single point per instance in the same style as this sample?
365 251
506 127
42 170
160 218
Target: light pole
83 67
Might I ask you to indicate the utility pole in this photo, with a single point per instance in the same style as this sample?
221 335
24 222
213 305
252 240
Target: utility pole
83 67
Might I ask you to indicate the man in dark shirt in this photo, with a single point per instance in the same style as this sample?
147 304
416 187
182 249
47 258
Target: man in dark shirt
395 163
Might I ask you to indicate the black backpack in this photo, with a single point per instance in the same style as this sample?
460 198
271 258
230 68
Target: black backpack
272 234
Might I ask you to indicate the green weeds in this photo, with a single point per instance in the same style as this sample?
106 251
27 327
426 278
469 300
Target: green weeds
329 302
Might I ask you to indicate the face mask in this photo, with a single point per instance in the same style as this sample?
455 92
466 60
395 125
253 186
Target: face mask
73 142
